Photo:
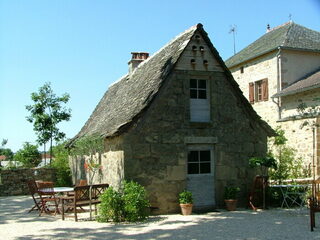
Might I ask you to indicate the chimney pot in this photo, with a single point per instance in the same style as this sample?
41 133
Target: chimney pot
136 59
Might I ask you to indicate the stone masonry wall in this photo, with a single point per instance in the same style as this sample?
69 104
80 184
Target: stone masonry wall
14 182
155 150
111 162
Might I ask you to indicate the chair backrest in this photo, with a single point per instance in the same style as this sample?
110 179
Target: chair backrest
32 186
45 188
316 190
82 182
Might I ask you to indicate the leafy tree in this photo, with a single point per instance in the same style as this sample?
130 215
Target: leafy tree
309 114
45 114
289 166
61 164
29 156
6 151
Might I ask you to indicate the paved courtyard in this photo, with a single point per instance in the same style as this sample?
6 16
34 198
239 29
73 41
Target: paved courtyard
16 223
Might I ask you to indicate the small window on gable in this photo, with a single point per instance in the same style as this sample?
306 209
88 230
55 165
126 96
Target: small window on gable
241 69
198 89
199 100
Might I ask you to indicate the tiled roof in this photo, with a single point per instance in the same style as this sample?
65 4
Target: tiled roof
289 35
307 83
126 100
2 157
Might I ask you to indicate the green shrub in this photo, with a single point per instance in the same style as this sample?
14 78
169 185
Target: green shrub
111 207
136 203
130 205
185 197
61 165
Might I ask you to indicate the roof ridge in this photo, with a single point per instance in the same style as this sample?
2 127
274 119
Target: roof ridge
287 32
280 26
193 28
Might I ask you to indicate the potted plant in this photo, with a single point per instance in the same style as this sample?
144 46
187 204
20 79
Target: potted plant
230 197
186 202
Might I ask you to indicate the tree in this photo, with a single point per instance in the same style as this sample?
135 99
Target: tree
61 164
6 151
45 114
309 114
29 155
289 166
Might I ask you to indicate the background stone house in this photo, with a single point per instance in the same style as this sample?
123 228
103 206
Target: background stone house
276 73
177 121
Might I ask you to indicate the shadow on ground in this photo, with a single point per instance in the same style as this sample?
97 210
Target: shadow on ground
244 224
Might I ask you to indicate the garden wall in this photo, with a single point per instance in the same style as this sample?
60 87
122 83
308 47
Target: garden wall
14 182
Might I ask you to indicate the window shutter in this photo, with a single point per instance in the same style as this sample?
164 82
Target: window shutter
251 92
265 92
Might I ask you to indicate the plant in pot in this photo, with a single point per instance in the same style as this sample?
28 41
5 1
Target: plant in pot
186 202
230 197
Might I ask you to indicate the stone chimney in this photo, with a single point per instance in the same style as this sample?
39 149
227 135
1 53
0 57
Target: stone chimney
137 58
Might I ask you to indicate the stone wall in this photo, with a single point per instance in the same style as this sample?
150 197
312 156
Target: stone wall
111 161
14 182
155 150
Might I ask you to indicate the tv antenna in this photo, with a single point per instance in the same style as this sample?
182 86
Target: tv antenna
233 30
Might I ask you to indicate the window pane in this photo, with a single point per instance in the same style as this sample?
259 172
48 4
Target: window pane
202 84
193 156
193 168
204 156
202 94
205 168
193 83
193 93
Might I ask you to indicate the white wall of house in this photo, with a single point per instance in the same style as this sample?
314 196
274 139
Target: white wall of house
297 64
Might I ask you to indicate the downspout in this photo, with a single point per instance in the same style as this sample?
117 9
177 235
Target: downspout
279 80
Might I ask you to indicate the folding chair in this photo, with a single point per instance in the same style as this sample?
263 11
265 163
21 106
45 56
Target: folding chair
48 198
314 202
35 196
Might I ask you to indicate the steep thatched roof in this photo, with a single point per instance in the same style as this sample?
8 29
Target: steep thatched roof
127 99
287 36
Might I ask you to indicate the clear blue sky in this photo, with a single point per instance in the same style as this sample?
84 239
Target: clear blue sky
81 47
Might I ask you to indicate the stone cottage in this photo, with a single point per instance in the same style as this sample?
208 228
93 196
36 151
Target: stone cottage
177 121
276 73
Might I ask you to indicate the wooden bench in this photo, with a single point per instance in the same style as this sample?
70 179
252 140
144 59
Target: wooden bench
81 198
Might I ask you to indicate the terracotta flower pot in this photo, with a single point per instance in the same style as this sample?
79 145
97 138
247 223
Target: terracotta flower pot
186 209
231 204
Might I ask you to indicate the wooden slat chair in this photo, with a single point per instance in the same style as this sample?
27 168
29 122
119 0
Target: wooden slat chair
33 189
48 198
81 198
314 202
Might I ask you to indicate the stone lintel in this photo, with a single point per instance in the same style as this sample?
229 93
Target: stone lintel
200 140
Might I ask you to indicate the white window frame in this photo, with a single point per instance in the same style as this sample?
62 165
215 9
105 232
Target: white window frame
199 107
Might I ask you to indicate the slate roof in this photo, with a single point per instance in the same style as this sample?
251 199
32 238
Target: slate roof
307 83
126 100
288 36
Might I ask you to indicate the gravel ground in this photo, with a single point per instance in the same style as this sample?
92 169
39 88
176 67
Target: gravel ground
16 223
